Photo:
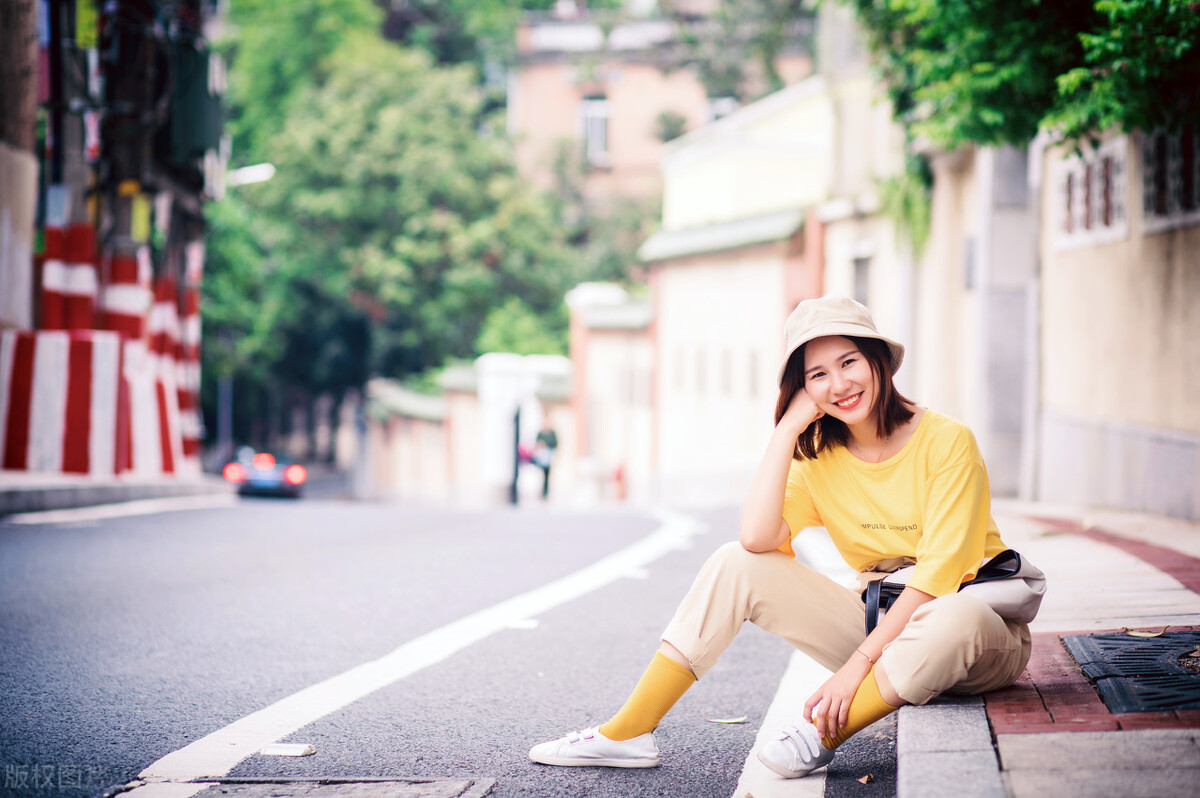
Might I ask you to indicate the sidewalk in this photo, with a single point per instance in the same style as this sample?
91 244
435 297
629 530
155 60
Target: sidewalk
1052 733
28 492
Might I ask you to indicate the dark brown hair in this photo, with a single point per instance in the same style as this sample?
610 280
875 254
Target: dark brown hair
891 408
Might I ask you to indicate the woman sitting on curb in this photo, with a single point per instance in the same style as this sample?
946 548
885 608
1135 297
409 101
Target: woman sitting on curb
895 484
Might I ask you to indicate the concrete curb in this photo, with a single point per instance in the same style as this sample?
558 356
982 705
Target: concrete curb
945 748
30 497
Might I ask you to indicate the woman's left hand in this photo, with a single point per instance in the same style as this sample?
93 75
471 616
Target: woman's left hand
829 706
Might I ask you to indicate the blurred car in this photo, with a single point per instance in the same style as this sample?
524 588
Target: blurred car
262 474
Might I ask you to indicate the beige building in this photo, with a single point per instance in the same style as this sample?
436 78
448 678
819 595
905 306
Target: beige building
1058 313
598 84
975 291
1120 324
613 393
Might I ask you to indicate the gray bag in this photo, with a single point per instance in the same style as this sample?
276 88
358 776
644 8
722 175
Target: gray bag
1008 583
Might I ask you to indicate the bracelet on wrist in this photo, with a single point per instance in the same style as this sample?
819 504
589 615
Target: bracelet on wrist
865 655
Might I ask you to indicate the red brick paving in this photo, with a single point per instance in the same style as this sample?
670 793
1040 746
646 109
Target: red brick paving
1053 695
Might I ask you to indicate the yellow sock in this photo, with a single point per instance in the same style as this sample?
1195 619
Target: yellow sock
663 683
866 707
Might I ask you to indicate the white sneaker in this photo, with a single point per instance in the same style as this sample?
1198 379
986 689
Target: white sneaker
797 751
591 748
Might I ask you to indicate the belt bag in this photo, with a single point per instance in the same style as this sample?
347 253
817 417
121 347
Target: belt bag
1008 583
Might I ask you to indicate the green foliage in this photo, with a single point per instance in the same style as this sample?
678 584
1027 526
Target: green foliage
737 36
604 237
994 73
961 70
239 304
515 327
1142 70
397 206
907 201
277 50
394 224
669 125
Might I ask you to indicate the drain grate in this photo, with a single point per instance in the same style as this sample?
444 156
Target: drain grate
1139 674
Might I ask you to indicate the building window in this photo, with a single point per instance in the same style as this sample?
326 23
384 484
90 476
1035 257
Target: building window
1170 179
1091 196
593 113
701 373
726 373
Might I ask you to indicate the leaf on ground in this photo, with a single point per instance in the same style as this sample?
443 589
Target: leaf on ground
867 779
741 719
1193 654
1137 633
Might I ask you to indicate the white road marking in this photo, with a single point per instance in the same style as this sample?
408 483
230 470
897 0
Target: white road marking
101 512
218 753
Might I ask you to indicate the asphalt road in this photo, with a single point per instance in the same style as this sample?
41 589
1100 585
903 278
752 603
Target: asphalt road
124 640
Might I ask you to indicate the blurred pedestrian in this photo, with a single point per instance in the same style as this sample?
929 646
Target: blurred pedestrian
543 454
894 483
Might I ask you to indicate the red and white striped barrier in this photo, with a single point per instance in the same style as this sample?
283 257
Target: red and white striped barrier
88 402
188 370
103 402
127 298
58 401
154 443
161 364
70 284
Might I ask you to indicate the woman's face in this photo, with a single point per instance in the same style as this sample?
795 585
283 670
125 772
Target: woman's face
839 379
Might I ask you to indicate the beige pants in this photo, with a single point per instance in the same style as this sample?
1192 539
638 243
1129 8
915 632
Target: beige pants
954 642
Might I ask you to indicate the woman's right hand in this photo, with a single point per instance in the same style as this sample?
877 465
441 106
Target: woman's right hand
801 412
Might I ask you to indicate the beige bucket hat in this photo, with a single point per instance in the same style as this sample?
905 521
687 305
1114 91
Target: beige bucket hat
833 315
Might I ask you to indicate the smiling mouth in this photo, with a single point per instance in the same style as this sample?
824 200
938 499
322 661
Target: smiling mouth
846 404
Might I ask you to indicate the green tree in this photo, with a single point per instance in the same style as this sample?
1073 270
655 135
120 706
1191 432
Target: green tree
604 236
277 50
393 225
516 327
400 203
239 310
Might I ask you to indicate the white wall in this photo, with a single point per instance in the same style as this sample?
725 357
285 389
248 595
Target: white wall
769 156
720 340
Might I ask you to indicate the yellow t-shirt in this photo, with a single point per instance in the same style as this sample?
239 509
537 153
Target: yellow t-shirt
930 502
